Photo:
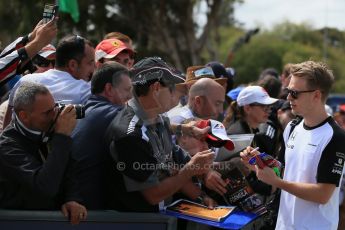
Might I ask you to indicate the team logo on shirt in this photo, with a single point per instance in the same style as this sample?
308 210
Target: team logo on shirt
340 161
338 165
293 136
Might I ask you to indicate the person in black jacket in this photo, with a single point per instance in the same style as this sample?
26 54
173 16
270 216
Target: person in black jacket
111 88
253 107
34 155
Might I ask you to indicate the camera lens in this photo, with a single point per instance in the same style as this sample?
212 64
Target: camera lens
80 111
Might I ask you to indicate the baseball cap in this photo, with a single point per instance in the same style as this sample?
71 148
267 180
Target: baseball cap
155 68
231 71
195 73
47 50
341 108
254 94
216 136
218 69
109 48
233 94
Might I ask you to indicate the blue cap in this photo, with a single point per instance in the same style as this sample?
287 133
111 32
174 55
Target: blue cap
233 94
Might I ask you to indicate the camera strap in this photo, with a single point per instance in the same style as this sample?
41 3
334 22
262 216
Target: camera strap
46 136
33 135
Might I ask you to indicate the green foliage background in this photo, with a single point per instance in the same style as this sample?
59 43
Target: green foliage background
285 43
288 43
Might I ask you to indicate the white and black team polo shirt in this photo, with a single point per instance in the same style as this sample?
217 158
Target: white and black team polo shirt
312 155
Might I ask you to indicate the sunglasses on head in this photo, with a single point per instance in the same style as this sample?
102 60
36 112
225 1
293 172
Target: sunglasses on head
294 93
79 40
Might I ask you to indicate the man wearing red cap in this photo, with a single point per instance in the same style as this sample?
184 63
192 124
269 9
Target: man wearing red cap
113 50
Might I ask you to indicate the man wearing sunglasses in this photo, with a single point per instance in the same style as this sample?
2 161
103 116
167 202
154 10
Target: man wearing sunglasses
45 59
314 154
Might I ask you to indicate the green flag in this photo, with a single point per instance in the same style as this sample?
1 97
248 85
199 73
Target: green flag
71 7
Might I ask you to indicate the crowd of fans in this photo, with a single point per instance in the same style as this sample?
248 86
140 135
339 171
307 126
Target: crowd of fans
86 128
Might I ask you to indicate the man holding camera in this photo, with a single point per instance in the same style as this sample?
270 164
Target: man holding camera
34 155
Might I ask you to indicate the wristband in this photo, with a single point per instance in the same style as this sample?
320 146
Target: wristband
26 39
23 55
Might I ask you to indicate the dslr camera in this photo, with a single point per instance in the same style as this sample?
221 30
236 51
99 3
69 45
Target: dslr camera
79 109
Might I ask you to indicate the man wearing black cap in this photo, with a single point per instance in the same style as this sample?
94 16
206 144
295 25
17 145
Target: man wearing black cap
140 144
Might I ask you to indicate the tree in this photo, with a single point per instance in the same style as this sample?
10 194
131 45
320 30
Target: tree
158 27
169 28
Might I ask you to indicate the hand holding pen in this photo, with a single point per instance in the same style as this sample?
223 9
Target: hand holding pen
247 154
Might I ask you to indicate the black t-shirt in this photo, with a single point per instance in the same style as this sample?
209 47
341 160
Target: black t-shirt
143 155
265 136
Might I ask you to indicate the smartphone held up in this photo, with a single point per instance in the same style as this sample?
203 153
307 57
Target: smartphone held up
49 12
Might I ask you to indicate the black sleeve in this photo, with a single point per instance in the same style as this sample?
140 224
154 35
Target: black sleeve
180 156
265 143
133 157
71 187
331 163
24 168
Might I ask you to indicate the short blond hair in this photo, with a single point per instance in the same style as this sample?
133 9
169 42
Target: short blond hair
317 75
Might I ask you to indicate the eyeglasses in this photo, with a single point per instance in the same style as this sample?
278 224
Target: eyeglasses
294 93
266 108
78 44
80 40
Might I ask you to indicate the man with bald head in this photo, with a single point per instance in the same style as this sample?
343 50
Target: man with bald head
205 100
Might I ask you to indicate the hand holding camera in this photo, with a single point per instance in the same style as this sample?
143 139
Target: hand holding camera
66 120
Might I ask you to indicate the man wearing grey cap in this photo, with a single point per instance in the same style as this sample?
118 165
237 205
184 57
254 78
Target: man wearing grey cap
149 169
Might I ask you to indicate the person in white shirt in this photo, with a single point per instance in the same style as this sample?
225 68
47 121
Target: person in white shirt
205 100
68 81
314 154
